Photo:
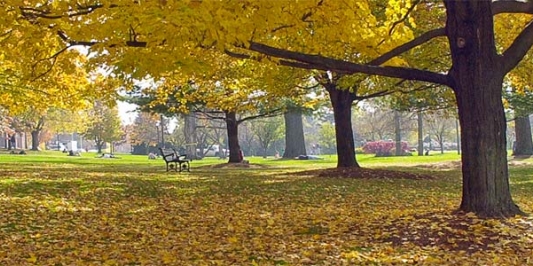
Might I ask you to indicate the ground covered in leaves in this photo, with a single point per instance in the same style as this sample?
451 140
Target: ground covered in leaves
364 173
132 214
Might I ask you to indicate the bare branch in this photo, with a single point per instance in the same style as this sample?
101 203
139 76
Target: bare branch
237 55
31 12
373 95
281 27
270 113
518 49
499 7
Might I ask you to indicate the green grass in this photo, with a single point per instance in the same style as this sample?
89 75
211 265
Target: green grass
61 210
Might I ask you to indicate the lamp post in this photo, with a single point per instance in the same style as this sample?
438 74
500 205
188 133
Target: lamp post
162 122
157 133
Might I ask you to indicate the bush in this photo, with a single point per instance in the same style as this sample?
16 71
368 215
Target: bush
359 151
384 148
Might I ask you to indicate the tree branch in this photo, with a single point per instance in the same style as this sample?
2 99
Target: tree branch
373 95
344 67
411 8
31 12
501 6
518 49
280 62
427 36
270 113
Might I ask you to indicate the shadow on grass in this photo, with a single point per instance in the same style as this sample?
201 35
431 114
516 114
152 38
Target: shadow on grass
120 182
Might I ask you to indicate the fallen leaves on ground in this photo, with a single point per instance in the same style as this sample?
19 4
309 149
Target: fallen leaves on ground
364 173
77 216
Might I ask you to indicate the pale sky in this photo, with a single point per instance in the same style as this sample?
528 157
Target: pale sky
127 112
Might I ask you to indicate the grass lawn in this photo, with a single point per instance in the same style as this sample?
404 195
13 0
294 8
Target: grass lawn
61 210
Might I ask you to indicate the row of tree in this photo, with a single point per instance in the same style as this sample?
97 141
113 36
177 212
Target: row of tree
99 124
450 43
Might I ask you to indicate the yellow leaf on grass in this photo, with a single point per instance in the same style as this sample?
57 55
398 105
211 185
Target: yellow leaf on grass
32 258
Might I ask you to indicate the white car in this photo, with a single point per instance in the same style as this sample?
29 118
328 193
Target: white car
213 151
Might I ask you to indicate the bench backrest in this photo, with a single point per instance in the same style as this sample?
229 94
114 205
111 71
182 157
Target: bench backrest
168 154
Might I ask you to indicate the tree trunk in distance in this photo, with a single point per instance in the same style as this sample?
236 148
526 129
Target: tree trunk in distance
189 130
341 101
233 138
419 116
99 145
398 133
524 143
35 140
11 143
477 79
458 138
294 134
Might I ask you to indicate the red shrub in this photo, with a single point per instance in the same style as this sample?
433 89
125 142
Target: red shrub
384 148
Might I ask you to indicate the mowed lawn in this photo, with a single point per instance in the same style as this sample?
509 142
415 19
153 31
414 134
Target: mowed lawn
60 210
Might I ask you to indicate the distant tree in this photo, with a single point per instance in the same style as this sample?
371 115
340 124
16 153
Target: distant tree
104 125
441 126
326 138
520 104
267 131
144 133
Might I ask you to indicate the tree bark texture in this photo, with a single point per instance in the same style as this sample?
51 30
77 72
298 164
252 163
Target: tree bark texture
294 134
341 101
476 78
233 138
524 143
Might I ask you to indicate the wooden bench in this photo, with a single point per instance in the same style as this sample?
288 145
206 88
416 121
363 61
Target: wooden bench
175 160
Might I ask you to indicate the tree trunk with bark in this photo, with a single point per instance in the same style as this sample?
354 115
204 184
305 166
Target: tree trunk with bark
341 101
524 143
477 78
35 139
233 138
294 134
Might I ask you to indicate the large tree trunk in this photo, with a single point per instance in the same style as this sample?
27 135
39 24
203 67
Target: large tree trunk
419 116
233 138
294 134
35 140
524 143
342 100
477 80
189 131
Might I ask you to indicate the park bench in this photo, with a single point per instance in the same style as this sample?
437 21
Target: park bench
174 160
